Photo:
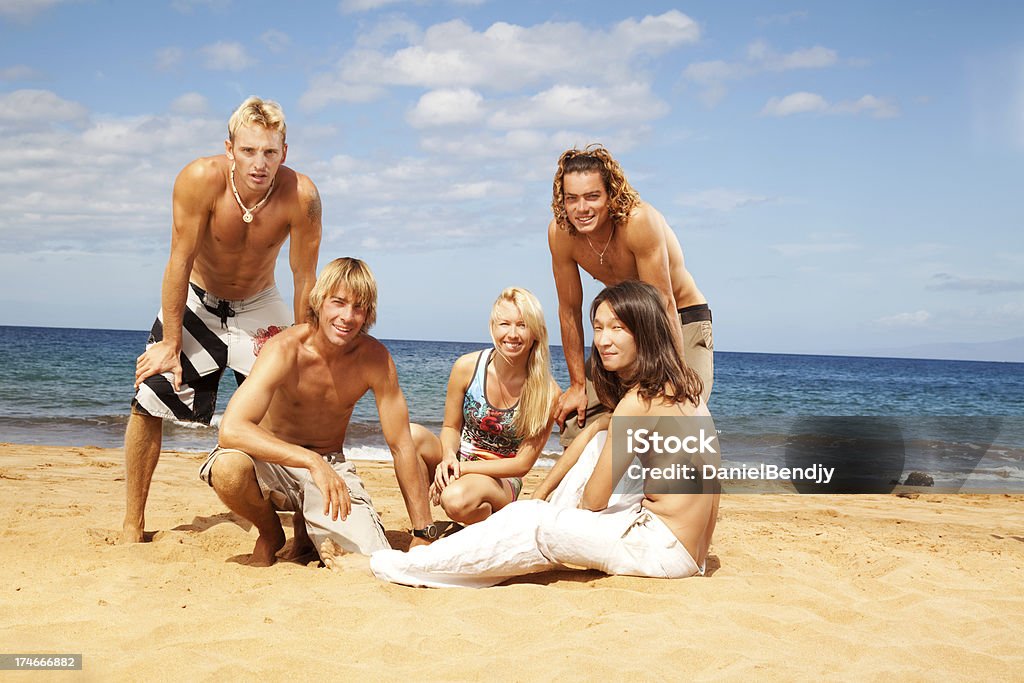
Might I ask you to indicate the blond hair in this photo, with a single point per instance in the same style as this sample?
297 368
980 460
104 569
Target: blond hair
538 391
356 277
260 112
622 198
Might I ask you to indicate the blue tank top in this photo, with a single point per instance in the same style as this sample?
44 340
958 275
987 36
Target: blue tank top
487 432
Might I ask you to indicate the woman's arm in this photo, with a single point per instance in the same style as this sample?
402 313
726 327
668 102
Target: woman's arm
451 429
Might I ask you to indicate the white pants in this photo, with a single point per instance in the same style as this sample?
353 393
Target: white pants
532 536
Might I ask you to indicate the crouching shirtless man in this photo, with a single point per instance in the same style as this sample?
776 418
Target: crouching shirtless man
282 433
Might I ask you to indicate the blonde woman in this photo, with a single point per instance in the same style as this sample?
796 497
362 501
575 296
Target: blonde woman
497 415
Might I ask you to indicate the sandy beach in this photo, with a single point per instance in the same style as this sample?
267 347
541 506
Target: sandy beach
865 587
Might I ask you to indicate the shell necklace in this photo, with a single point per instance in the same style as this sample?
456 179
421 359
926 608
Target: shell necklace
246 212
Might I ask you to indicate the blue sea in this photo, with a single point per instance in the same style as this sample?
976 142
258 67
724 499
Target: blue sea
61 386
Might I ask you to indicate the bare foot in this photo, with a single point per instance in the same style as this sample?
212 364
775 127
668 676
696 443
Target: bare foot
264 553
132 534
337 559
301 544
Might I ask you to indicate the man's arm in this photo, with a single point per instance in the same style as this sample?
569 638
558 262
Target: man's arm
645 238
568 459
304 245
192 203
394 422
240 427
609 469
570 319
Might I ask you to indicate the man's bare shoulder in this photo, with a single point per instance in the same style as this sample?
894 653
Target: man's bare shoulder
304 185
204 173
559 240
372 353
288 342
646 225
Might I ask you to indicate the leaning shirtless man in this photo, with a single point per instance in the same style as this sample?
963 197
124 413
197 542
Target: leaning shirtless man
601 225
219 302
282 433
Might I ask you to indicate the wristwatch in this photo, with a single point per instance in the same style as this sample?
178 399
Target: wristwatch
429 532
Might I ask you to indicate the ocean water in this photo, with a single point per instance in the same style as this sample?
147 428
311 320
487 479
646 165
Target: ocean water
61 386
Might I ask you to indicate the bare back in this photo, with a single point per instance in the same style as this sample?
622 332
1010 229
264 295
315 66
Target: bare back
690 516
234 259
316 392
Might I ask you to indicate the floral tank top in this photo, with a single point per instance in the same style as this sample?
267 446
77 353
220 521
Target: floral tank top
487 432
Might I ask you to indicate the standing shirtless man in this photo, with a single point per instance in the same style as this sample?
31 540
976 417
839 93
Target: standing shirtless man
219 302
601 226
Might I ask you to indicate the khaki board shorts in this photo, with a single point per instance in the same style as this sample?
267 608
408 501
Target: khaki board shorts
291 489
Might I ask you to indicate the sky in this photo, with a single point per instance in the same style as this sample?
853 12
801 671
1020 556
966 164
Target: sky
843 177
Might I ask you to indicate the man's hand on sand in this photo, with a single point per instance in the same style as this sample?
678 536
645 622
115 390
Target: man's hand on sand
159 358
574 398
333 488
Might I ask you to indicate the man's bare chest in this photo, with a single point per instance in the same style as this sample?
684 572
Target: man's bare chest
609 264
227 230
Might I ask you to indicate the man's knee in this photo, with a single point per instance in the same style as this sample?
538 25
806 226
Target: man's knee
232 472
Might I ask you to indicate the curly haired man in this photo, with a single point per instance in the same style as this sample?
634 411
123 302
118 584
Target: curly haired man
601 225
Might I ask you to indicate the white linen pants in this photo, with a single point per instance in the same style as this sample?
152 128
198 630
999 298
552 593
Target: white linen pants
532 536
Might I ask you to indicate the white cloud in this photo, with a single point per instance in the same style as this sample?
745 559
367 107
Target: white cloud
873 106
447 107
981 285
275 41
915 319
574 105
98 184
190 103
722 199
805 102
386 31
760 57
796 103
507 57
533 152
38 108
353 6
766 59
169 58
227 56
327 89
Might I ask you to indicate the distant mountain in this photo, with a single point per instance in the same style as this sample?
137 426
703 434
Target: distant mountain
1010 350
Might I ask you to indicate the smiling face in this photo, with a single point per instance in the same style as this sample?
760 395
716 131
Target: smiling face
614 341
586 201
341 317
512 336
257 153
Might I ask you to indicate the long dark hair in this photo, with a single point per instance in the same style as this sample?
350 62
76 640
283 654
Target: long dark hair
659 371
